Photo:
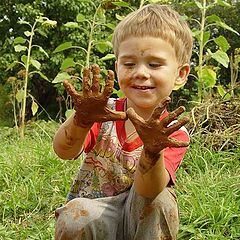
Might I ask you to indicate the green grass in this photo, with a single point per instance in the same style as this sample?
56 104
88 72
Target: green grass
34 182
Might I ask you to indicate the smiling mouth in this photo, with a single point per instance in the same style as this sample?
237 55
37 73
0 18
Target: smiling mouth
143 87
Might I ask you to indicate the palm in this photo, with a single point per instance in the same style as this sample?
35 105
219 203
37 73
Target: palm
155 133
91 104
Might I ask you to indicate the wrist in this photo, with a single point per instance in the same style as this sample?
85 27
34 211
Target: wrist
79 123
148 160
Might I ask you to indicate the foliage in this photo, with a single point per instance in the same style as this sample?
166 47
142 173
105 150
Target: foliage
83 36
20 83
207 75
210 52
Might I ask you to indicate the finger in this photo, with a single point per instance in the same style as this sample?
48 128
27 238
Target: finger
70 89
115 115
96 79
85 82
176 126
135 118
173 115
177 144
159 109
109 85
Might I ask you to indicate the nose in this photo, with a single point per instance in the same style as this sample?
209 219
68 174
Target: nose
141 72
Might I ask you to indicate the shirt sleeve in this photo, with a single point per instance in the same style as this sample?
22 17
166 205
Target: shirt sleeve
174 156
91 137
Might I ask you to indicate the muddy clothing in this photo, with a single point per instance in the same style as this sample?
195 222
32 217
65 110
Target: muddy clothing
126 216
103 204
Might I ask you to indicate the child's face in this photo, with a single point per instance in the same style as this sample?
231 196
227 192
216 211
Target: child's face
148 70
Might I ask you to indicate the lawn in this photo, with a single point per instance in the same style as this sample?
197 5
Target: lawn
34 182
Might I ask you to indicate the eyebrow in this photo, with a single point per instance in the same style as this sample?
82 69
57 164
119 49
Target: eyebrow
127 56
151 56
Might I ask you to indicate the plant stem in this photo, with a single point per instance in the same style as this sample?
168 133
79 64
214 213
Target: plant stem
141 3
90 39
23 112
201 46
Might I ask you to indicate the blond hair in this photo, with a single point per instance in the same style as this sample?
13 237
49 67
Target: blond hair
154 20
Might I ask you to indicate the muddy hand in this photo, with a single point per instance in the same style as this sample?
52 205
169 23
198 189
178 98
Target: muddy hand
91 104
155 133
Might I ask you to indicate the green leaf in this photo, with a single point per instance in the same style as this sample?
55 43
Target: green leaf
221 57
72 25
222 42
103 46
120 94
24 22
121 4
110 25
28 34
68 62
24 59
108 57
36 63
206 36
61 77
20 95
101 15
69 113
63 47
209 77
19 48
118 17
43 51
20 40
80 18
196 33
223 93
225 26
41 32
13 64
34 107
42 75
213 18
199 5
223 3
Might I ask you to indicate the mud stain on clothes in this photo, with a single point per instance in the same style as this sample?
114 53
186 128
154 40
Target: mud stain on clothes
80 213
147 210
167 238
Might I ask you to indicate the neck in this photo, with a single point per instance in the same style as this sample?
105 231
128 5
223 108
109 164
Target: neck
145 113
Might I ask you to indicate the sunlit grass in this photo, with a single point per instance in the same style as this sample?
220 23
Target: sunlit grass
34 182
209 194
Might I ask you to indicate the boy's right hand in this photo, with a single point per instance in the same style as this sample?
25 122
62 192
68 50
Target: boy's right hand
91 104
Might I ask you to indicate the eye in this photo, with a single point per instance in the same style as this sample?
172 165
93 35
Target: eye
129 64
155 65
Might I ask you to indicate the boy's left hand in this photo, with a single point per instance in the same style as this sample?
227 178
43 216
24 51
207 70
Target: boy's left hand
155 132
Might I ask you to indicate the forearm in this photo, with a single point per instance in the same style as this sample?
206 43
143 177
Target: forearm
150 179
68 140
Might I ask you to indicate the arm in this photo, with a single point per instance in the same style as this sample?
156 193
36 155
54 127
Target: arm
151 177
154 180
90 106
68 140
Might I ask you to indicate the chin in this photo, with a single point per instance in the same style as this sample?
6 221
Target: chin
145 105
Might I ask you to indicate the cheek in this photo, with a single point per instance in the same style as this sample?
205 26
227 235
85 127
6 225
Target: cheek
124 76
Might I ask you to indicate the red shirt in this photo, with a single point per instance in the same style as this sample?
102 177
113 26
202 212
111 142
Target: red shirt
172 156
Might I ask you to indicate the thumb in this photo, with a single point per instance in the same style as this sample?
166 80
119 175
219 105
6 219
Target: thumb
134 117
70 89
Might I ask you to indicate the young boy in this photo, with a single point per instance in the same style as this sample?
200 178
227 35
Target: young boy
133 146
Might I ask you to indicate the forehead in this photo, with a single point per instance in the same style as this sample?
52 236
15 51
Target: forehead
145 46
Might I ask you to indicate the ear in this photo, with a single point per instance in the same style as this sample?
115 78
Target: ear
116 66
181 79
